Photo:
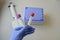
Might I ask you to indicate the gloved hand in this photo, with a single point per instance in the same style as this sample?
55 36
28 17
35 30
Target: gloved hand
19 33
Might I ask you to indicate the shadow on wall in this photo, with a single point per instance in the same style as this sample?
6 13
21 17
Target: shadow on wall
48 22
2 3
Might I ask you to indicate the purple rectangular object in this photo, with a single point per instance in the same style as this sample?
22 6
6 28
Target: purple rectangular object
38 17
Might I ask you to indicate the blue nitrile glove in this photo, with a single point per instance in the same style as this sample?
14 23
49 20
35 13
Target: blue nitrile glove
19 33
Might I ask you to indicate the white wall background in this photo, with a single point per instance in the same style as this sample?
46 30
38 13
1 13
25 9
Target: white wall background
49 30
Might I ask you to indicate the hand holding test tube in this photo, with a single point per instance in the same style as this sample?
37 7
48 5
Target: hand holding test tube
19 31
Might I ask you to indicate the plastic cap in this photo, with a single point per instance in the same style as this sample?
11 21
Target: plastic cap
18 15
32 14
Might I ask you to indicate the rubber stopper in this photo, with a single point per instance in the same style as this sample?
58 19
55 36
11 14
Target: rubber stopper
18 15
32 14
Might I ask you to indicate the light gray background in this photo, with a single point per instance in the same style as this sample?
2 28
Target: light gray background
49 30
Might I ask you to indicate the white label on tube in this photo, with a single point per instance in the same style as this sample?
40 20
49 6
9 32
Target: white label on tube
30 20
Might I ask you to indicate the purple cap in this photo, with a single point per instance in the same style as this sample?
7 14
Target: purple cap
18 15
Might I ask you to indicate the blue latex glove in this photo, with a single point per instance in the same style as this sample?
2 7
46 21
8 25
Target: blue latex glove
19 33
